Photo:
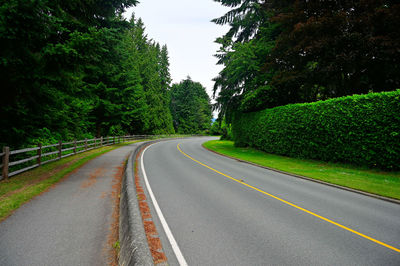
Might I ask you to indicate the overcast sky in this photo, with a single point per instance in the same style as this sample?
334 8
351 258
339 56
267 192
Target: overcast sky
185 27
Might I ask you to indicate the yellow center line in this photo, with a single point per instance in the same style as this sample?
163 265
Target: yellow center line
293 205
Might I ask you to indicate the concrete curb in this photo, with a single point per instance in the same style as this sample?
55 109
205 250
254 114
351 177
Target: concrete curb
134 249
311 179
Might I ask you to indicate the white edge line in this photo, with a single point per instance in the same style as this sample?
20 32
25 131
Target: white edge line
168 232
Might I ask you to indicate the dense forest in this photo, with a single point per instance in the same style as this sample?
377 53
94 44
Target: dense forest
190 107
76 69
279 52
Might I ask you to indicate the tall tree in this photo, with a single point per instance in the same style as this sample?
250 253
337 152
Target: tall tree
73 69
279 52
190 107
163 61
159 116
335 48
135 117
243 49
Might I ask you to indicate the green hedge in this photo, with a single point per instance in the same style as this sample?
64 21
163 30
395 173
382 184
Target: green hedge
359 129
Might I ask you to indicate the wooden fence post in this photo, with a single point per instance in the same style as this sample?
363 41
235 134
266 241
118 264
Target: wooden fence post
6 157
85 144
113 140
101 141
75 146
39 153
59 149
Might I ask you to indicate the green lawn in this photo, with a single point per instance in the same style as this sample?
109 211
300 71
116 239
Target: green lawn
21 188
373 181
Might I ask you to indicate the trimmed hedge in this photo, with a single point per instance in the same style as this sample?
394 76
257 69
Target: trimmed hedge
360 129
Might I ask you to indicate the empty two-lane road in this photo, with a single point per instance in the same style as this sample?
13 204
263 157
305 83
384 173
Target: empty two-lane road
224 212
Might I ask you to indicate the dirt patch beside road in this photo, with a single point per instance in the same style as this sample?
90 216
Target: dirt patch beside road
149 227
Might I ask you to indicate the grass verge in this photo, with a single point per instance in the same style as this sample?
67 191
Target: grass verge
369 180
23 187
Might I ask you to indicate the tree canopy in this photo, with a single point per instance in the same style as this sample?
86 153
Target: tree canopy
279 52
190 107
75 69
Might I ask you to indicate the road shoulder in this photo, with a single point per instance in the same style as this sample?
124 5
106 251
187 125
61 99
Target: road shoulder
307 178
69 224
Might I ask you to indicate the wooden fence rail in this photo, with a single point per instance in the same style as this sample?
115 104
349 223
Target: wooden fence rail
36 156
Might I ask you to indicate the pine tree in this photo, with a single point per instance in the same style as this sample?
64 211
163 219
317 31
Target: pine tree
190 107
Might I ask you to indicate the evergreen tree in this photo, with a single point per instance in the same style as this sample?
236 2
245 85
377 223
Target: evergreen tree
278 52
190 107
78 69
135 119
164 68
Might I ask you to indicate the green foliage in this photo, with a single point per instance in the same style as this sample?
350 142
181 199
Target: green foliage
215 129
221 128
190 107
73 69
226 130
45 138
359 129
336 48
279 52
242 52
244 18
138 86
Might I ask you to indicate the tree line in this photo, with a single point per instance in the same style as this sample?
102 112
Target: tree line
190 107
76 69
279 52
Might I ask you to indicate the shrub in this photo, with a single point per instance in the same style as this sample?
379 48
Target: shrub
215 129
226 131
359 129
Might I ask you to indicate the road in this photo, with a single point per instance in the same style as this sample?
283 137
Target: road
247 215
70 224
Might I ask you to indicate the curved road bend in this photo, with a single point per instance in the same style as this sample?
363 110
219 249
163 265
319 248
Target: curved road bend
218 221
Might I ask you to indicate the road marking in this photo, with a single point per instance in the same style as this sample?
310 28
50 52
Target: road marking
291 204
168 232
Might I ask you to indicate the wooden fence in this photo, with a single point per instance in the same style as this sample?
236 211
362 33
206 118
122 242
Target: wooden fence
29 158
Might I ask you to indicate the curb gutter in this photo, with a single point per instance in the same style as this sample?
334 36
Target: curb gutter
311 179
134 249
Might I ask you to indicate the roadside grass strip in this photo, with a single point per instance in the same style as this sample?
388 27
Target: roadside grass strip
293 205
21 188
373 181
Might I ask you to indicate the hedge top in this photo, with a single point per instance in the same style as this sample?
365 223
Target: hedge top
358 129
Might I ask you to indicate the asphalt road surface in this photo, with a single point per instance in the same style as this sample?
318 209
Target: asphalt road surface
246 215
69 224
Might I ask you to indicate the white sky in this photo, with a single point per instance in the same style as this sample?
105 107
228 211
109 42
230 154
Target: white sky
185 27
